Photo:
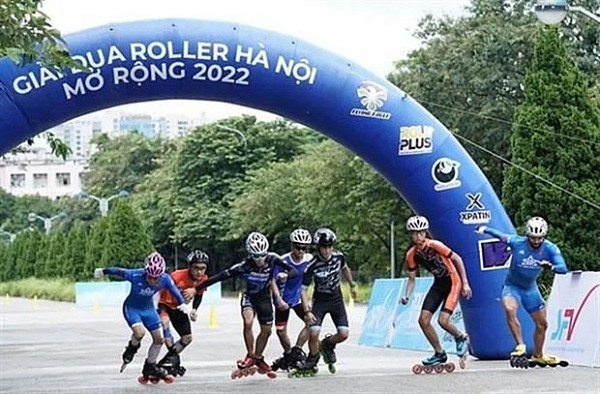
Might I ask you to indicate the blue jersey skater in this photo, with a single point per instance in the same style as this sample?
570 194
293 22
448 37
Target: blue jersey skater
529 255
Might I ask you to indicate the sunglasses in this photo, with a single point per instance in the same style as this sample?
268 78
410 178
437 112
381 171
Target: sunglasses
303 248
258 256
198 267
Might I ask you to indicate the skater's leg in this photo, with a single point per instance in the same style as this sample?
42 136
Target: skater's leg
262 339
429 331
303 336
248 319
281 320
157 343
510 301
448 306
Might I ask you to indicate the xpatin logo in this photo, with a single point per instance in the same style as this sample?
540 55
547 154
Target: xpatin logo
475 212
445 174
567 318
415 140
372 97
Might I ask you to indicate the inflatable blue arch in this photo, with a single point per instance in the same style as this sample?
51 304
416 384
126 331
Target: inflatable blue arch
207 60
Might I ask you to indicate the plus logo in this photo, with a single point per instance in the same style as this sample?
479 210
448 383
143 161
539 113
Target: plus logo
567 319
564 325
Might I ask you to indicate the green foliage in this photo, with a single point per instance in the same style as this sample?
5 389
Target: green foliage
121 163
328 186
558 104
468 71
95 255
41 256
127 243
54 267
75 259
49 289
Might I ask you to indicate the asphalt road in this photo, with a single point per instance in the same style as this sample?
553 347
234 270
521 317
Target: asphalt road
54 347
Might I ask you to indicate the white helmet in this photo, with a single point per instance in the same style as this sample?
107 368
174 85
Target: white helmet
417 223
300 236
257 244
537 227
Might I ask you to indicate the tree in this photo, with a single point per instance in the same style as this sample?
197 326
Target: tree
468 71
27 36
327 186
556 136
127 242
121 163
95 256
75 254
55 259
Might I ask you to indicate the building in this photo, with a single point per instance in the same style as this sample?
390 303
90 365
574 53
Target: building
38 174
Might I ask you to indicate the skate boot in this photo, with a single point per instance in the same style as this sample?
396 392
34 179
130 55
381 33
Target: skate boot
245 367
307 367
130 351
297 355
462 350
264 368
282 362
437 358
154 373
543 361
172 363
518 357
327 350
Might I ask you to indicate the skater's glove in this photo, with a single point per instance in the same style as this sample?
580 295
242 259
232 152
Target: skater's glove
404 300
99 273
194 315
185 308
545 264
480 229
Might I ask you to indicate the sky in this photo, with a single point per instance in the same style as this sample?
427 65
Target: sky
371 33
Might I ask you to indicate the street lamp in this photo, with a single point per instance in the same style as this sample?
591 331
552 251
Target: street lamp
223 127
552 12
103 202
10 235
32 217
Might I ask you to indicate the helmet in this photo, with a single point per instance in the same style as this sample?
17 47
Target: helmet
324 237
417 223
154 265
257 244
300 236
197 257
537 227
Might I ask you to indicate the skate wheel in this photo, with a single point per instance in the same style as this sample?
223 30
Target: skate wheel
234 374
462 363
417 369
154 380
142 380
563 363
271 375
428 369
450 367
331 368
438 368
169 379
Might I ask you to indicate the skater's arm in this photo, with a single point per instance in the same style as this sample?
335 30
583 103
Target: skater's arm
197 301
291 270
460 267
115 271
347 273
170 285
493 232
221 276
558 262
275 288
410 286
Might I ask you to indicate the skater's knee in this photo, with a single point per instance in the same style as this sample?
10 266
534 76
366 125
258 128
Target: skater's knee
186 339
424 321
541 324
343 335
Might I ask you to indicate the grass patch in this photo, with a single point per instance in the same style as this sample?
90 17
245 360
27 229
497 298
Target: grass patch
48 289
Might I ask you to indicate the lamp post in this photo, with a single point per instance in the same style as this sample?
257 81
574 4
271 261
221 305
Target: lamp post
103 202
32 217
223 127
10 235
552 12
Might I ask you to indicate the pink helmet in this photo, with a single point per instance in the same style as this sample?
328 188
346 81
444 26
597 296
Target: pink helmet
154 265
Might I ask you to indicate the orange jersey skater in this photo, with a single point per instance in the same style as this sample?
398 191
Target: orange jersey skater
435 257
183 280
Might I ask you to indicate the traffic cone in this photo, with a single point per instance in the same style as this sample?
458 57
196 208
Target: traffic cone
212 317
35 302
96 308
7 299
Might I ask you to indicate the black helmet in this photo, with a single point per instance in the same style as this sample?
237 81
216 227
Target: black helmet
324 237
197 257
